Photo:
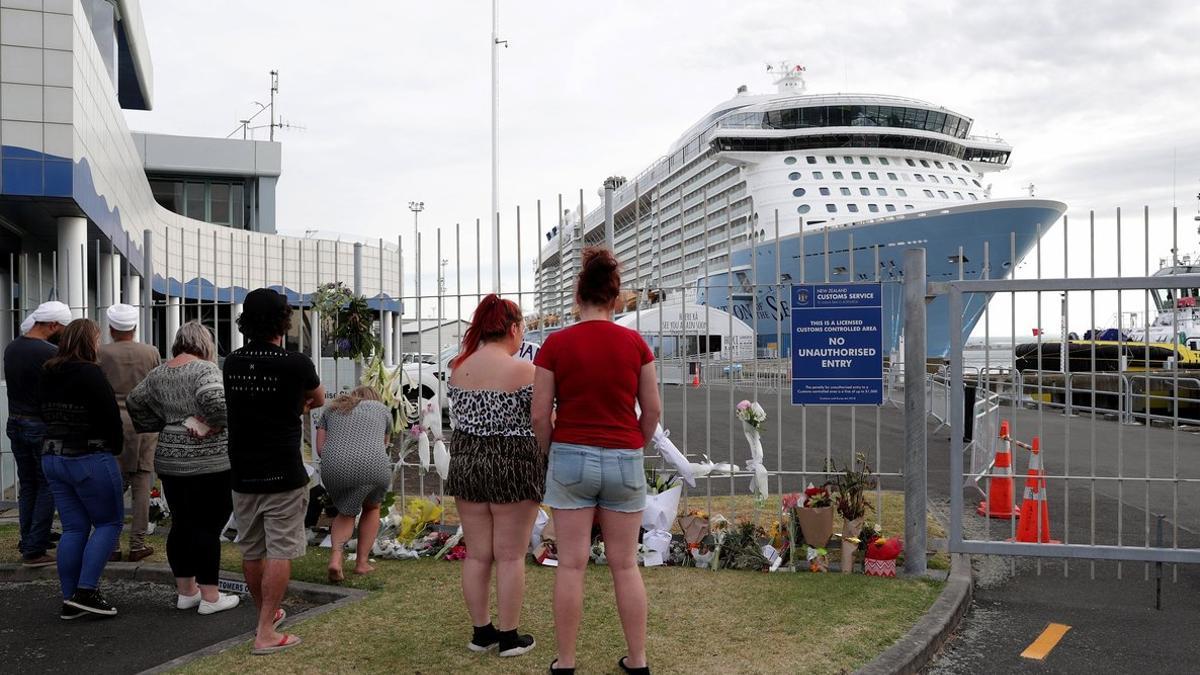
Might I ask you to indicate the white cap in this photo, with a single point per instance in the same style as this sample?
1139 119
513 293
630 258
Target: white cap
122 317
27 324
52 312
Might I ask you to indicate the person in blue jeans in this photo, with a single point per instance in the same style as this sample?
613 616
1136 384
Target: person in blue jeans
23 361
84 435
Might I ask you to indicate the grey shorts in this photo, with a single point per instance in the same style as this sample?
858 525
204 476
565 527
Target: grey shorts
271 525
583 476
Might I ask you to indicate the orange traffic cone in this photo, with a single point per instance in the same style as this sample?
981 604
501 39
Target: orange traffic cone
1034 526
999 503
696 377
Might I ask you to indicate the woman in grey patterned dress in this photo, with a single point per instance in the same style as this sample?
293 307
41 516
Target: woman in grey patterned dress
355 470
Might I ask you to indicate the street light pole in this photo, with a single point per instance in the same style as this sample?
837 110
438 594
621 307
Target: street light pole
416 208
495 216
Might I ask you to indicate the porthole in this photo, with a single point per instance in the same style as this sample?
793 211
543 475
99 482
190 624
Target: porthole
795 175
803 209
789 160
798 192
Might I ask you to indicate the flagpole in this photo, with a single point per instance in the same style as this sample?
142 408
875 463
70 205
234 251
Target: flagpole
495 215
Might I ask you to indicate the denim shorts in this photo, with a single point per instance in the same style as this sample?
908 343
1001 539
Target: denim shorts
583 476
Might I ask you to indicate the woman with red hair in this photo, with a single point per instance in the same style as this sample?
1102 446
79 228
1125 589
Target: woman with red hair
597 373
497 473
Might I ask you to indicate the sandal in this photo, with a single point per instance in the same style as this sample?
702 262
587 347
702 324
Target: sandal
287 642
644 670
560 671
280 615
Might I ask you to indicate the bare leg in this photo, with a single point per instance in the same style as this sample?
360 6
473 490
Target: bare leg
573 528
209 593
620 547
477 568
186 586
339 534
273 584
511 526
368 529
253 569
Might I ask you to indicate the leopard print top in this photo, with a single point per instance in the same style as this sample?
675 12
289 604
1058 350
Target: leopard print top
489 412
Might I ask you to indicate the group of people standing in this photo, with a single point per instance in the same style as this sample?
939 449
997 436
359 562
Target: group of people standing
89 420
564 431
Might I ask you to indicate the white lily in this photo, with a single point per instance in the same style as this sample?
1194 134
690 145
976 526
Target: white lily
423 450
441 459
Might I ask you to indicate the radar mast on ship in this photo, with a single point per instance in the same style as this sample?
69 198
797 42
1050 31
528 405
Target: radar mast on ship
789 77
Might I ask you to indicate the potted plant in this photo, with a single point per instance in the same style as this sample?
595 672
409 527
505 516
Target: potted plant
879 557
851 486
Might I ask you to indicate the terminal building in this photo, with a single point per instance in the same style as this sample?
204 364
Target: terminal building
93 213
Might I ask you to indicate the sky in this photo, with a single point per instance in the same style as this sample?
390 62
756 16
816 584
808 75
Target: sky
391 102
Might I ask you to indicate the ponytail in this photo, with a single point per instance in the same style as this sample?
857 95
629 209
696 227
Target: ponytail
492 320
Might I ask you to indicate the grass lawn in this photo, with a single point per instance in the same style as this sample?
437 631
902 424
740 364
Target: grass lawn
700 621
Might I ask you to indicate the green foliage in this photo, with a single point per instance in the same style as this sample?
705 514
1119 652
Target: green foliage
346 321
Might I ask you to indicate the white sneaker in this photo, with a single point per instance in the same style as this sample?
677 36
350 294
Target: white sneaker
223 603
188 601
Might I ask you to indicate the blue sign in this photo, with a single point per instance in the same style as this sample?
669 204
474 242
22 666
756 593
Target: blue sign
837 344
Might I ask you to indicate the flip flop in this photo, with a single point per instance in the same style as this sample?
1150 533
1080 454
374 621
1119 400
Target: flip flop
283 644
280 615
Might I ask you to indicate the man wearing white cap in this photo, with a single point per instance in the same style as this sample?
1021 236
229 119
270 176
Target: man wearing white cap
23 360
125 363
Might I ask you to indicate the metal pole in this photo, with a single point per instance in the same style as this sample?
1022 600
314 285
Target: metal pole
358 247
496 42
610 230
914 411
148 335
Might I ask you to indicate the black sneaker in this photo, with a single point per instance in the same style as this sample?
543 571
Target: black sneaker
512 644
90 600
486 638
68 612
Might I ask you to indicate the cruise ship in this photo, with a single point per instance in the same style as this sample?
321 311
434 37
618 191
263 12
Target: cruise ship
842 184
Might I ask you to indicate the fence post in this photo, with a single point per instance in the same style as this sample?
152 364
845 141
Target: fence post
147 324
358 275
915 473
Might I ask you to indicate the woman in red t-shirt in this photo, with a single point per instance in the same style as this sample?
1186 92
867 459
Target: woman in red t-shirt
595 371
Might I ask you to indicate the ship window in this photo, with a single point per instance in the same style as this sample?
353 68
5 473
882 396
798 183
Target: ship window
872 175
962 180
798 192
952 167
865 160
856 175
848 160
948 179
958 195
864 191
937 164
932 178
845 191
943 195
853 208
830 159
929 193
910 162
810 159
882 192
972 196
977 183
925 163
837 174
803 208
789 160
890 207
832 208
919 177
908 207
873 208
824 191
818 175
795 175
891 176
902 192
884 161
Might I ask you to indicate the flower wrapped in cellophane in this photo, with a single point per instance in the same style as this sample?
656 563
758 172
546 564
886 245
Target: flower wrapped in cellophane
753 417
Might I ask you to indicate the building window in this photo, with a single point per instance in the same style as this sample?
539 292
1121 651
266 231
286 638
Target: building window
818 175
929 193
838 175
825 191
211 201
195 201
219 203
856 175
168 194
789 160
890 207
798 192
873 208
919 177
846 191
882 192
902 192
803 209
810 159
832 208
853 208
795 175
864 191
872 175
892 176
943 195
884 161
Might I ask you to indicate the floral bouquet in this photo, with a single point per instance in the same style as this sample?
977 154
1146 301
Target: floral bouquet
851 486
662 500
719 528
753 417
430 453
158 507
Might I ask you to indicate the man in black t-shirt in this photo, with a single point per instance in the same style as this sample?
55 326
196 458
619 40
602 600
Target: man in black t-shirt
267 389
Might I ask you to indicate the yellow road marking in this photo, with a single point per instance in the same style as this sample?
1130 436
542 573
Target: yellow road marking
1047 641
